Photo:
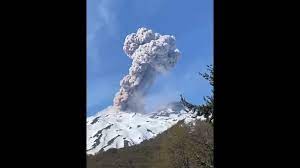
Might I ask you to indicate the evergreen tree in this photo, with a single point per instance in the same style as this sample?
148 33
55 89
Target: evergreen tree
205 109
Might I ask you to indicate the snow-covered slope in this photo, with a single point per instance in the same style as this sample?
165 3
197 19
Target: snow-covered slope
110 129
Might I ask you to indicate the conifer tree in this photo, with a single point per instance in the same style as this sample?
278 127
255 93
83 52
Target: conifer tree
205 109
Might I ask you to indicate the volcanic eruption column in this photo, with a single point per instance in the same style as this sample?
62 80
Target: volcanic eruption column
151 54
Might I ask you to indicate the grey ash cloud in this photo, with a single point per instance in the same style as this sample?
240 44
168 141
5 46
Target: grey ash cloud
152 54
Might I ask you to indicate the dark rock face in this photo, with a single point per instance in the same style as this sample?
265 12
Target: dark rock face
95 120
99 135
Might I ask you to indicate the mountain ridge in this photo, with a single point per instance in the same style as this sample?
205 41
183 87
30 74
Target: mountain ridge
110 128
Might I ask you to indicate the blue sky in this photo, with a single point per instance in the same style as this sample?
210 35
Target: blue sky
108 23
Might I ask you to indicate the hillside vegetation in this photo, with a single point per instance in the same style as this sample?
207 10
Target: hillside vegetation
181 146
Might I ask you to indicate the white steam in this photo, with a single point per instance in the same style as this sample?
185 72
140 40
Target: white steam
151 54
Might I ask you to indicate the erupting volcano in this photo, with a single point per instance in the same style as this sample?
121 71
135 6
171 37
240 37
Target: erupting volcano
151 54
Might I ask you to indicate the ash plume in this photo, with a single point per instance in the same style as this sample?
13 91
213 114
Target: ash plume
151 54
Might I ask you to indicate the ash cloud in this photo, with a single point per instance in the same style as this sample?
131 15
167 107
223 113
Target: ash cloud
152 54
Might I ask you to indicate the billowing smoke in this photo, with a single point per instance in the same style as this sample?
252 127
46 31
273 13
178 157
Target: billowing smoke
151 54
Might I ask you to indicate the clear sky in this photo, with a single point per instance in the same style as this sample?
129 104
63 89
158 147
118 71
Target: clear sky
108 23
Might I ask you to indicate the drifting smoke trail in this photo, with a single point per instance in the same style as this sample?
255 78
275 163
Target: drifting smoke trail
151 54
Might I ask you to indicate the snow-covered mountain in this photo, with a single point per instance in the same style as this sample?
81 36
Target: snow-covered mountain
111 129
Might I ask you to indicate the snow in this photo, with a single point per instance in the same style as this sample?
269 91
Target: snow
110 129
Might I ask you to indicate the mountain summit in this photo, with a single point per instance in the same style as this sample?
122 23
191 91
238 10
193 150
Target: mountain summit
111 128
